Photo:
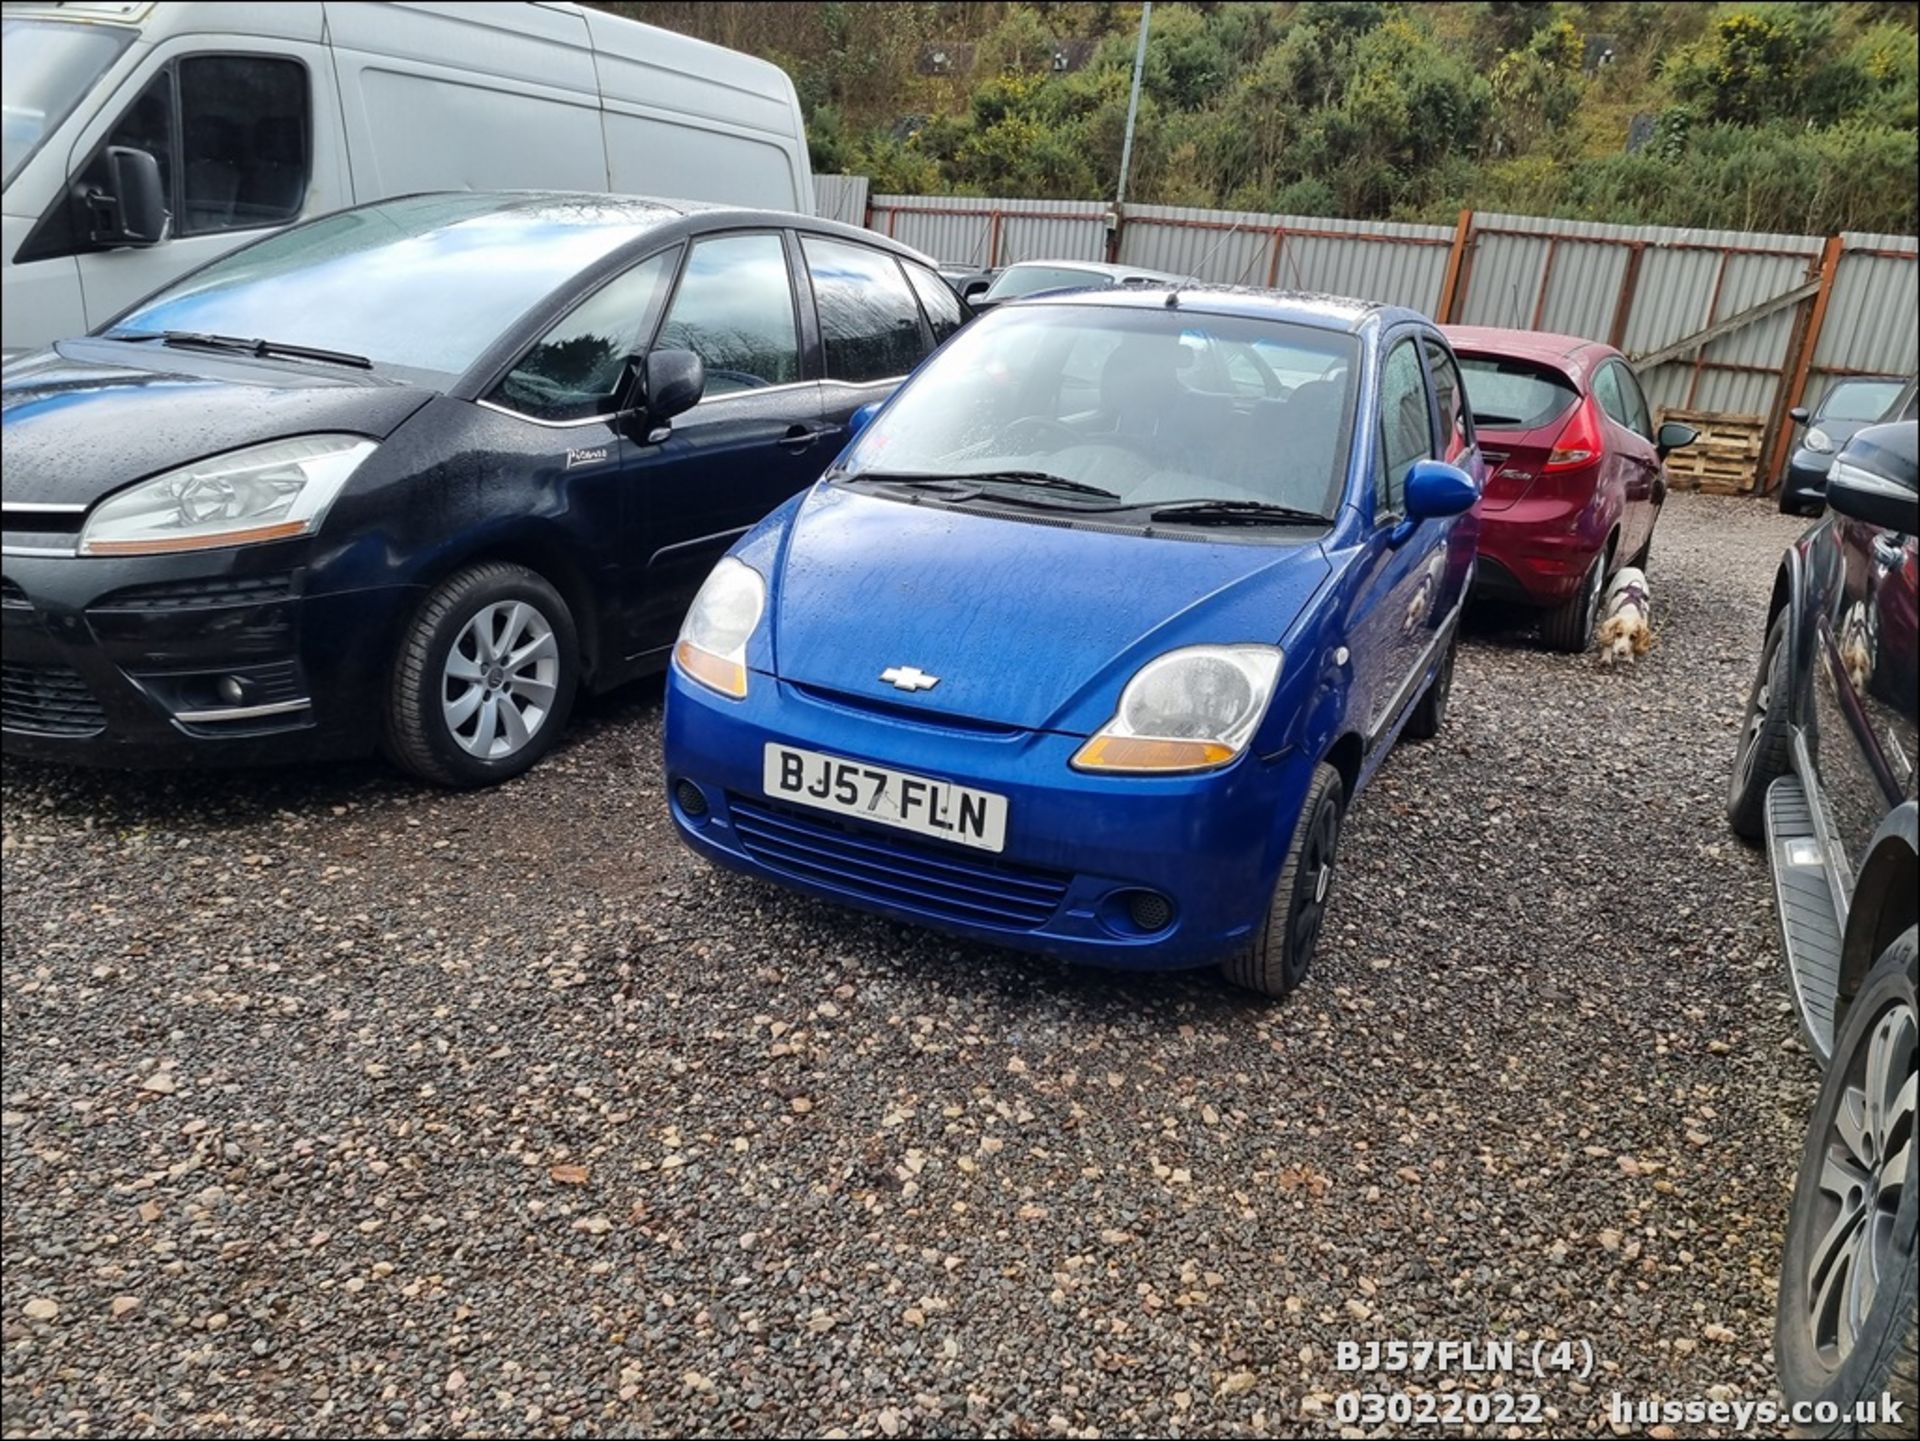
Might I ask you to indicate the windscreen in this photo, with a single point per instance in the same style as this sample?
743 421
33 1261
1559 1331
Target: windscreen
1032 279
1510 394
1154 406
1860 400
422 285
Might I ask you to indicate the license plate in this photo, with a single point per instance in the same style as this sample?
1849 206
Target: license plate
920 804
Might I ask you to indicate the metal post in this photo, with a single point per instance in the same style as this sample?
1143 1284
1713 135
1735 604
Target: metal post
1133 103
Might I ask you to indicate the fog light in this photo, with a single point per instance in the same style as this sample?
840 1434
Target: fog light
692 803
1149 910
231 691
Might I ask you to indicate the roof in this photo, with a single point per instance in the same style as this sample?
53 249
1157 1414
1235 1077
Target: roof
1101 267
1300 307
1523 344
642 214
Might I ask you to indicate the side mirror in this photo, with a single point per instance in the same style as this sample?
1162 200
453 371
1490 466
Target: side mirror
857 422
134 210
975 289
1674 436
1799 415
1436 490
673 381
1875 479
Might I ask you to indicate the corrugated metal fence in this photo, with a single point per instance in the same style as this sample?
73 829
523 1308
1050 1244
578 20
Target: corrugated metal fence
1737 323
841 197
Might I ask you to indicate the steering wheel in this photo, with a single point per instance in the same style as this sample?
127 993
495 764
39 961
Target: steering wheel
1040 432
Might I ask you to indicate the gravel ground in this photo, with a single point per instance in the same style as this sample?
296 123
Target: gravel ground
337 1105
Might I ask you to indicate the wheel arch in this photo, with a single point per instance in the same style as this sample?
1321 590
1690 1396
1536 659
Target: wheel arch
1346 755
1884 903
546 552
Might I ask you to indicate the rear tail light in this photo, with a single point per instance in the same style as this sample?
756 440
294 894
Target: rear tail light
1580 441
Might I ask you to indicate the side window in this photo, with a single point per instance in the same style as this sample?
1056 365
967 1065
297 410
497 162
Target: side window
734 309
245 128
1638 420
1456 424
868 316
937 300
1406 428
574 371
148 126
1606 390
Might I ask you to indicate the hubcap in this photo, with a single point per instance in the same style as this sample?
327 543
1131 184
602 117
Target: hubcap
1865 1159
500 679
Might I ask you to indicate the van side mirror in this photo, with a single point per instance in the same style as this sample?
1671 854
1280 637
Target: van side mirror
133 210
1674 436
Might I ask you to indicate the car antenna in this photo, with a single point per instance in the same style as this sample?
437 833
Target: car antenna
1173 298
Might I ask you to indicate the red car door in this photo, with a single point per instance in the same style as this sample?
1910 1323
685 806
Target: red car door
1633 465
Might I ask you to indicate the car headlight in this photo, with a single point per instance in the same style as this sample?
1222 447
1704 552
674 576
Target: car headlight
1819 440
265 492
1188 710
713 639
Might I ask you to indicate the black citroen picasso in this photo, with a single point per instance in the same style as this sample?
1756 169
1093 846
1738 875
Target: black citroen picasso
410 475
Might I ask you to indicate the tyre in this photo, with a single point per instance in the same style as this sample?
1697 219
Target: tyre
1845 1329
1276 960
1431 713
1765 749
1569 627
484 678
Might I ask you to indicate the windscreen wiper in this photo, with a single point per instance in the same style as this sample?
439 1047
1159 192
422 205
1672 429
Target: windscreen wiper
261 349
1236 512
1039 479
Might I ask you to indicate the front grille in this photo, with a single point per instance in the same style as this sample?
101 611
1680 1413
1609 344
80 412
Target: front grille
10 593
51 699
897 870
200 594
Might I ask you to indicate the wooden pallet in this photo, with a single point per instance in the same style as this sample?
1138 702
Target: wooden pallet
1725 460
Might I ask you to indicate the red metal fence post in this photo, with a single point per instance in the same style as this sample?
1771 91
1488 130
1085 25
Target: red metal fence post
1795 388
1450 287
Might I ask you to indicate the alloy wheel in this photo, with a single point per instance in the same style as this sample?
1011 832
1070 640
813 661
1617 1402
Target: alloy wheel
500 679
1316 879
1866 1160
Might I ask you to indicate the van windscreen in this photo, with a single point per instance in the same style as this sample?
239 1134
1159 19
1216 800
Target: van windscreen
46 66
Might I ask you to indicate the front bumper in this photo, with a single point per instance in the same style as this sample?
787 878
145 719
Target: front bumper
134 662
1077 845
1537 552
1805 482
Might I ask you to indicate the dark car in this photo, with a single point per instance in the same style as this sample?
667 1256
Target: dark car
969 281
1038 277
1848 406
1824 777
1577 471
411 474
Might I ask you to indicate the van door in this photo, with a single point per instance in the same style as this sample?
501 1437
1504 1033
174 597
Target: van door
247 141
467 97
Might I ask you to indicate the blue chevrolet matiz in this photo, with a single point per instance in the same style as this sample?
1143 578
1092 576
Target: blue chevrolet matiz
1089 638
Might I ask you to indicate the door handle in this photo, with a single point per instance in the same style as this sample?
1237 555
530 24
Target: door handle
799 437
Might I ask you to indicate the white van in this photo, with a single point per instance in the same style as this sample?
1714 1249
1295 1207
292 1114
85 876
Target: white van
143 139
